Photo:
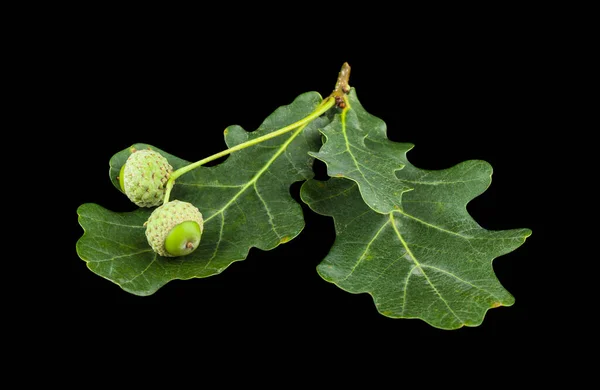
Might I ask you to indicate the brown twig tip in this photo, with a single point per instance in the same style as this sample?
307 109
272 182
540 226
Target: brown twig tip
342 82
342 88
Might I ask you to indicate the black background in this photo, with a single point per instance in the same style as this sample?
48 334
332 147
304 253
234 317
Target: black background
457 91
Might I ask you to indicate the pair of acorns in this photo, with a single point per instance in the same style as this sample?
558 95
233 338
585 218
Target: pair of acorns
174 228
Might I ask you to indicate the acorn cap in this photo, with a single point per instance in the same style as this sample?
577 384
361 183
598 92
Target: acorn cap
165 218
145 176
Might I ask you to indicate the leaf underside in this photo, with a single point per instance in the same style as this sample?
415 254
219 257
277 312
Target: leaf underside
404 234
245 202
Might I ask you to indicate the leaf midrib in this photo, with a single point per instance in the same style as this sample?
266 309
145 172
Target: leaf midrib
418 265
259 173
345 133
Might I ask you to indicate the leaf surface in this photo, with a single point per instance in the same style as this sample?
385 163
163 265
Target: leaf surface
407 240
245 202
358 149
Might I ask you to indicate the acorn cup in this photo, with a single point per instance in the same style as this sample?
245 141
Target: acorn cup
144 176
174 229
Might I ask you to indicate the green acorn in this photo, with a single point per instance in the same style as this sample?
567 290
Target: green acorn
143 177
174 229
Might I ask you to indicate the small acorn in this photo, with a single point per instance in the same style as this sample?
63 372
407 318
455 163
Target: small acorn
144 176
174 229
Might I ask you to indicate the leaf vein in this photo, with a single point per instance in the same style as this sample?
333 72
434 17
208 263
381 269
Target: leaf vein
218 242
406 290
260 172
356 163
439 182
119 257
266 209
144 271
112 223
421 269
362 256
461 280
433 226
210 185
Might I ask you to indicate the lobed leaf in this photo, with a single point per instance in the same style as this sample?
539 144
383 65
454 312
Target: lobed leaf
245 202
407 240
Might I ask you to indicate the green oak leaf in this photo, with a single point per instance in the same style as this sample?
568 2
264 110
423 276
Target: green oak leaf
414 248
356 147
245 202
428 260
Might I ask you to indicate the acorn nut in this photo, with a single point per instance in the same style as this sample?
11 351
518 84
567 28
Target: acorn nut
174 229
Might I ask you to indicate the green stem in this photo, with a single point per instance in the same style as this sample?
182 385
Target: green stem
320 110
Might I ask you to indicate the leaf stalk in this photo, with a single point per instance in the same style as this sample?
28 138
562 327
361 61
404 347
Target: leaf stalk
325 105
